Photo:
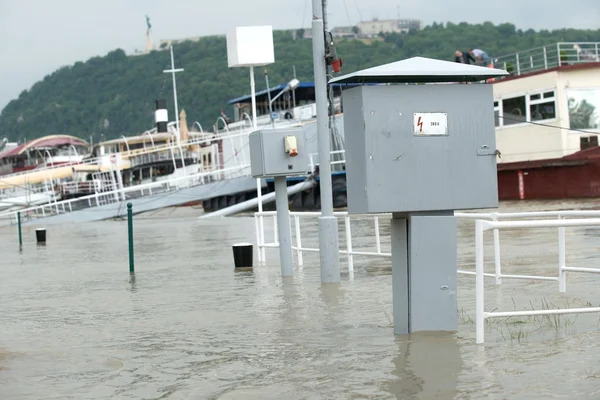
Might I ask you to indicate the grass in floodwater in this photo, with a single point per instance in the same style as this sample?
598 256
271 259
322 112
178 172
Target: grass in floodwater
519 328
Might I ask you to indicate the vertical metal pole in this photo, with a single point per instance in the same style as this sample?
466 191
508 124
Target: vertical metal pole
130 231
328 225
377 239
283 226
298 240
498 266
562 260
19 226
261 223
479 298
349 247
253 95
269 98
294 91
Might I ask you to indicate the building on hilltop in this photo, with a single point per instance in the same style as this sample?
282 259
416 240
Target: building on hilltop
345 32
374 27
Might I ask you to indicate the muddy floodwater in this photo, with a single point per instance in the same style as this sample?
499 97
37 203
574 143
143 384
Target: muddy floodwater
75 325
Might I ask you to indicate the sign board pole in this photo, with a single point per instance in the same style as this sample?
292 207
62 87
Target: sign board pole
260 250
328 226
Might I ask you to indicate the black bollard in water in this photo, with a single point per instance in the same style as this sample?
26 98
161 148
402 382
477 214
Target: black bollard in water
242 255
40 235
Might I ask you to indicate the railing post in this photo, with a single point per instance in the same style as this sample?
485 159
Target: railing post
130 235
349 246
497 265
275 234
545 58
562 259
479 287
298 240
377 239
261 222
258 243
558 54
518 66
19 227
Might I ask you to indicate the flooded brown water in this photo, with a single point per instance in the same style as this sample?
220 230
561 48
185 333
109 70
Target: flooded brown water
75 325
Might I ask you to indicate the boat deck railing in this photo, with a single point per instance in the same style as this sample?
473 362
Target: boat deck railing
548 57
483 221
129 154
109 192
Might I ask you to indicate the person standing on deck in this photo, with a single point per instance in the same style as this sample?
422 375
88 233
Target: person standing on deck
463 57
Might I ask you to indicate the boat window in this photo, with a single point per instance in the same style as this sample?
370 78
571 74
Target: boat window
583 106
549 94
541 109
514 111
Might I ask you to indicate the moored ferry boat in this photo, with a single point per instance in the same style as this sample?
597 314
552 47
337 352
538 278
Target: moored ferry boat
547 116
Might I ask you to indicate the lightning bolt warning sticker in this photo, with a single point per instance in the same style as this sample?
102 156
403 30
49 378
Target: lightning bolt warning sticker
430 124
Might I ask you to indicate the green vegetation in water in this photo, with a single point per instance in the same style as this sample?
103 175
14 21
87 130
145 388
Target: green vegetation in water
519 328
114 95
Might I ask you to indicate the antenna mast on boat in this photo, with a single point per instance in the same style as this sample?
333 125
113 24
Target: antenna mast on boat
172 71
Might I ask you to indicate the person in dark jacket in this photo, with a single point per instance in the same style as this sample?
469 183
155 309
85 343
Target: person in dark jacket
463 57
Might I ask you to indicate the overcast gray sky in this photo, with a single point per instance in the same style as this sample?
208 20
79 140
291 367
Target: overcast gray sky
39 36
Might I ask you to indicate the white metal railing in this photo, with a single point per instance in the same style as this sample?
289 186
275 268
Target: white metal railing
230 170
481 226
106 197
298 247
313 165
495 216
550 56
484 221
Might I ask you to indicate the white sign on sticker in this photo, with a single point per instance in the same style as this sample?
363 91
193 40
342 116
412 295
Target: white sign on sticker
430 124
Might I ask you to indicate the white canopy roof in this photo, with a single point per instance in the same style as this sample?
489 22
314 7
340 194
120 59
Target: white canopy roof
421 70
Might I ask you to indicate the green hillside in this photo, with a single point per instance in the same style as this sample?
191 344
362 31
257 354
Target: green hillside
114 95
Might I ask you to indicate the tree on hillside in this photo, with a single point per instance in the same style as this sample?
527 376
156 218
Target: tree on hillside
78 99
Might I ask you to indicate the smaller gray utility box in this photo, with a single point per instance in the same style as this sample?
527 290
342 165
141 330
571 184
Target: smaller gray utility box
412 148
275 152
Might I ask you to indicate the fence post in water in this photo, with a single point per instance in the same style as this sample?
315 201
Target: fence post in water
130 229
19 226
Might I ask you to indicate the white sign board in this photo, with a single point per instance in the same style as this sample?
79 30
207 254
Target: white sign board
430 124
249 46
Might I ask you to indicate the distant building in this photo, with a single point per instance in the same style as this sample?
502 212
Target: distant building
345 31
374 27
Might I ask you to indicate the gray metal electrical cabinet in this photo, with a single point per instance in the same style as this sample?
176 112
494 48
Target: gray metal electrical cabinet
268 155
421 151
420 148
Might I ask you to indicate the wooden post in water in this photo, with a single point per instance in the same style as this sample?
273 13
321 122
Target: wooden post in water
19 226
130 229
